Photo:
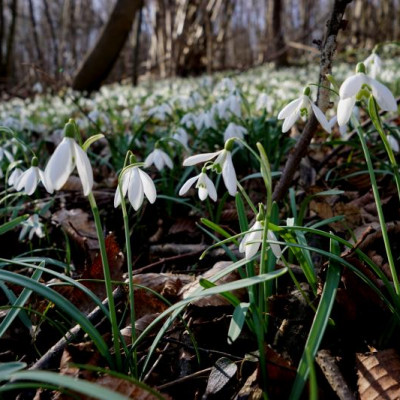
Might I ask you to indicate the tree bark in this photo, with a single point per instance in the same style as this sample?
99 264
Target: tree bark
99 61
6 59
275 32
136 46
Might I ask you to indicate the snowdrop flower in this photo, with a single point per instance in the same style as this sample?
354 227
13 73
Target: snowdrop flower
161 112
204 184
251 241
205 120
188 120
263 102
373 63
7 154
222 164
159 158
358 86
181 136
33 226
14 176
30 178
300 107
394 144
66 156
234 130
137 184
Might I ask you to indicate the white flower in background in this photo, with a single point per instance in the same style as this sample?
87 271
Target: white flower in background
160 112
263 102
188 120
66 156
136 114
181 136
233 130
373 63
222 164
14 176
251 241
33 226
205 120
393 143
230 106
300 107
7 154
226 84
342 129
159 158
204 184
30 178
357 86
137 184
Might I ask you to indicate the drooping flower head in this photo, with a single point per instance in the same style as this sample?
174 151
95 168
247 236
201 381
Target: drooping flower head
29 179
359 86
159 158
65 158
300 107
137 184
251 241
204 184
373 63
222 165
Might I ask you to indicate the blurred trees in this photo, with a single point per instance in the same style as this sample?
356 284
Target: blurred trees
50 40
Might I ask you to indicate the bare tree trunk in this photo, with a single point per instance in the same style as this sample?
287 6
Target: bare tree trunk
136 47
276 41
6 59
35 34
52 35
100 60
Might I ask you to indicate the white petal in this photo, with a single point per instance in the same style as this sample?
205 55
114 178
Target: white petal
344 110
149 160
158 159
211 189
229 175
203 193
187 185
199 158
321 118
290 121
253 243
276 248
383 96
60 165
394 144
28 180
84 169
135 190
148 186
352 85
167 160
125 182
46 184
289 108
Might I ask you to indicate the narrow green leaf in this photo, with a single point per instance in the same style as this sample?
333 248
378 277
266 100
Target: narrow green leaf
67 382
217 228
7 369
64 304
319 324
237 321
12 224
91 140
18 304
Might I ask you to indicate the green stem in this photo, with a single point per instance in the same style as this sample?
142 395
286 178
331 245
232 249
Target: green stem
377 122
107 280
378 207
130 278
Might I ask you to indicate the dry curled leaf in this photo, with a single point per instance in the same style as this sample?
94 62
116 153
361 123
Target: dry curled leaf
379 375
221 374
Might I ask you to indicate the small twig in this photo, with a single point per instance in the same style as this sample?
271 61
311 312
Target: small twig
53 355
333 375
327 52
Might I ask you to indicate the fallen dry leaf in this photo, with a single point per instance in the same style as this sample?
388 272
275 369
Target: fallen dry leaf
378 375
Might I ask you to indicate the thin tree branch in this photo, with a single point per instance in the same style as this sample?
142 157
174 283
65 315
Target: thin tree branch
327 52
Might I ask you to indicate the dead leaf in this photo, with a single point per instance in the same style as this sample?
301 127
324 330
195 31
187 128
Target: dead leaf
216 300
221 374
140 325
379 375
79 228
